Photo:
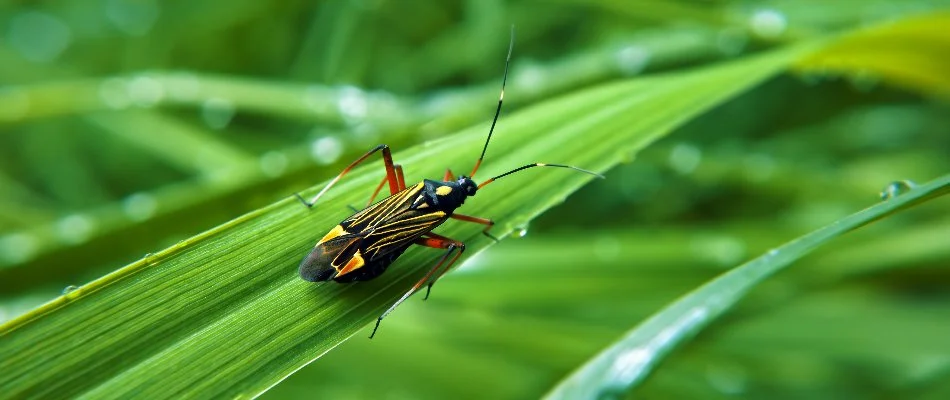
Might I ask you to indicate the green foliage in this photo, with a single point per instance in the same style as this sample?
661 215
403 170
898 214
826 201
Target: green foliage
137 128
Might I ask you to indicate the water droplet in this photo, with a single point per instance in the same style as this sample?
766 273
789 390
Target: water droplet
521 230
897 188
326 150
18 247
134 17
75 229
684 158
529 78
772 253
273 163
145 91
632 60
114 93
69 289
352 103
217 112
768 23
38 36
140 206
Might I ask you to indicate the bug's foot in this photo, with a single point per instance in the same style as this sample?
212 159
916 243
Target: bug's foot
428 290
492 237
378 320
304 201
354 209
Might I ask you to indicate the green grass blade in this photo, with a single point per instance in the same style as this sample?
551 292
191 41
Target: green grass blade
911 52
223 314
627 362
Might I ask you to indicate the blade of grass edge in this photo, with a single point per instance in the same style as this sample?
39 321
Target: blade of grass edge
223 314
627 362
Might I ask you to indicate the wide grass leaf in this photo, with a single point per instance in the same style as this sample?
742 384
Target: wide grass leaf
223 314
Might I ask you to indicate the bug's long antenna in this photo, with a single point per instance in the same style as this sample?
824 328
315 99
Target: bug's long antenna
501 98
539 165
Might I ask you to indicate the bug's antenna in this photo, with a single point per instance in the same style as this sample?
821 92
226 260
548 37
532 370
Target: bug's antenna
501 98
539 165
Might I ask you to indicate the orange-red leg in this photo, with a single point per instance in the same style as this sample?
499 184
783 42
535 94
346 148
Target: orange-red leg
434 241
484 221
448 176
399 178
390 174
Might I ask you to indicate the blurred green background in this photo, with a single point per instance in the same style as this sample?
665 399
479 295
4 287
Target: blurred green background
129 125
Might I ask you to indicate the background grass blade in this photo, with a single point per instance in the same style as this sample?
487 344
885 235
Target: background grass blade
911 52
224 314
626 363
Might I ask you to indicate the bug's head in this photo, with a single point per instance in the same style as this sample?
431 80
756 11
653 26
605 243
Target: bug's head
468 186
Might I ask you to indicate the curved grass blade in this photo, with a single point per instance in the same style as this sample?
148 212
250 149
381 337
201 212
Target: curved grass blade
911 52
627 362
223 314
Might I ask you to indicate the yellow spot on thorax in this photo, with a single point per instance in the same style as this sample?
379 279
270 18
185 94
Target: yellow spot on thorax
443 190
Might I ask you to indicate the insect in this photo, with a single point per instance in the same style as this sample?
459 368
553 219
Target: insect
362 246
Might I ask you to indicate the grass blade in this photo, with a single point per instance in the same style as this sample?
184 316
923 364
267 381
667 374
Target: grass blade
626 363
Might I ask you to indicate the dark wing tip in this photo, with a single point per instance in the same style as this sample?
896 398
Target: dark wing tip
316 267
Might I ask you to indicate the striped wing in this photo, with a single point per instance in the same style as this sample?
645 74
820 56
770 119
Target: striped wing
392 223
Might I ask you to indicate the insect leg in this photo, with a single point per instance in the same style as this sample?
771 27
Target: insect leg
400 179
448 175
450 246
435 238
484 221
390 174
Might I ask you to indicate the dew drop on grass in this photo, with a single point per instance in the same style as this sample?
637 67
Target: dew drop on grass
352 103
273 163
114 93
140 206
145 91
69 289
632 59
768 23
75 229
18 247
685 158
326 150
521 230
897 188
217 112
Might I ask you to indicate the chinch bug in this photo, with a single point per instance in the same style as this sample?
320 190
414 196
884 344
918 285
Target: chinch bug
362 246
